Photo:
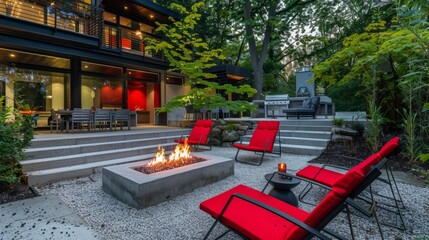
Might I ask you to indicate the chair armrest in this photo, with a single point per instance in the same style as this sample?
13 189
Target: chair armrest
309 181
276 212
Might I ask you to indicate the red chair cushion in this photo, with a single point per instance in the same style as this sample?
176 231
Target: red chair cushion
263 137
320 212
365 165
248 148
348 182
250 220
389 147
201 129
321 175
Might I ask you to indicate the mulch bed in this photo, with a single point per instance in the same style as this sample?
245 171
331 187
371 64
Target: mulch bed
19 192
335 152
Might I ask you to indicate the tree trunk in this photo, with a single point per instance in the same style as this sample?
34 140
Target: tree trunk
258 75
256 58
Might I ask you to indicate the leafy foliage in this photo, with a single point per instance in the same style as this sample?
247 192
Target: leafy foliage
374 133
389 61
339 122
16 133
190 55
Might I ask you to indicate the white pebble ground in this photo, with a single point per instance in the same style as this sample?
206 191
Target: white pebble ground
181 218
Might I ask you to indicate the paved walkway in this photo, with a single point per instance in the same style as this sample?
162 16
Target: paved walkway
43 217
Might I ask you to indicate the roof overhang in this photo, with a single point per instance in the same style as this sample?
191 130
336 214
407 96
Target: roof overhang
230 72
141 9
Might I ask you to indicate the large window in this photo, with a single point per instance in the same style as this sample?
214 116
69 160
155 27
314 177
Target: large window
39 90
100 92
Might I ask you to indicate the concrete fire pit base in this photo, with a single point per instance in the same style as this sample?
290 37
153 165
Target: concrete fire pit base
142 190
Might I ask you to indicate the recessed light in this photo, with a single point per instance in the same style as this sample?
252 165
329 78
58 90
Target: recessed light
151 16
125 7
12 55
86 66
129 72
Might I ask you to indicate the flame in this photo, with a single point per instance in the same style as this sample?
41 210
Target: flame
180 153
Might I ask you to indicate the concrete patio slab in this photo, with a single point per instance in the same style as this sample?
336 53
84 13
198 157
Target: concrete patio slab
43 217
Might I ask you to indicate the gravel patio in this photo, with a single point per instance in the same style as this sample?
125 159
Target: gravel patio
180 218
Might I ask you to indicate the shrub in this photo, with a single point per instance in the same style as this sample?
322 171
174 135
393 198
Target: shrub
339 122
16 133
374 133
230 127
359 127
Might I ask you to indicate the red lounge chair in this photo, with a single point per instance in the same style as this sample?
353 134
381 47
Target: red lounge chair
327 177
199 134
256 215
262 140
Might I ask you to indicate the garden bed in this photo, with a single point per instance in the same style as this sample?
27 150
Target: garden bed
335 152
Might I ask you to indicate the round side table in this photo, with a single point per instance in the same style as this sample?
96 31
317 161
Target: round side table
282 186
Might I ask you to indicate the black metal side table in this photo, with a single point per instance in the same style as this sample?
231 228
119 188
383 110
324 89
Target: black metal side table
282 186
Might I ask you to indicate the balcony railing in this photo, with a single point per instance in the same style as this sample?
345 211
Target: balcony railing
74 16
126 40
81 18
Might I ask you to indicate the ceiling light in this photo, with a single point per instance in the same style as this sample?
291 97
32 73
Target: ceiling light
125 7
86 66
12 55
151 16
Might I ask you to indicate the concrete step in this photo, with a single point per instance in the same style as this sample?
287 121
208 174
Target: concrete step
315 142
306 128
64 150
91 157
298 149
42 177
53 140
301 149
307 122
305 134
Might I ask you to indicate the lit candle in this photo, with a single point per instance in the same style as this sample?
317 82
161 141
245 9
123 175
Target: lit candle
281 167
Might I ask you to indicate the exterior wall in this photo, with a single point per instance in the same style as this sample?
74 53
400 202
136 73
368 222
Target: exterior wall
48 44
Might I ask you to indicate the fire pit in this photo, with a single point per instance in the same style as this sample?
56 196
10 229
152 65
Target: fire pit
138 189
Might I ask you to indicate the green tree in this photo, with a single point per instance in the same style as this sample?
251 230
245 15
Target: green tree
190 55
389 60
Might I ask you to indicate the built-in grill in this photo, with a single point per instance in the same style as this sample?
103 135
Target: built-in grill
274 104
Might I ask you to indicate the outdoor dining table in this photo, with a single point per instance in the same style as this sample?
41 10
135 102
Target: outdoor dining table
65 116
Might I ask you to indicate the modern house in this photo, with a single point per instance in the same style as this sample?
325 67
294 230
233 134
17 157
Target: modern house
68 54
83 54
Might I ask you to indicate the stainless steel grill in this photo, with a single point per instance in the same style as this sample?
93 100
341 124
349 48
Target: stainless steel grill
274 104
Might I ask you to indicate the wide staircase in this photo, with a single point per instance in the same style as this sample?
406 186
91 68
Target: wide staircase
308 137
57 157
